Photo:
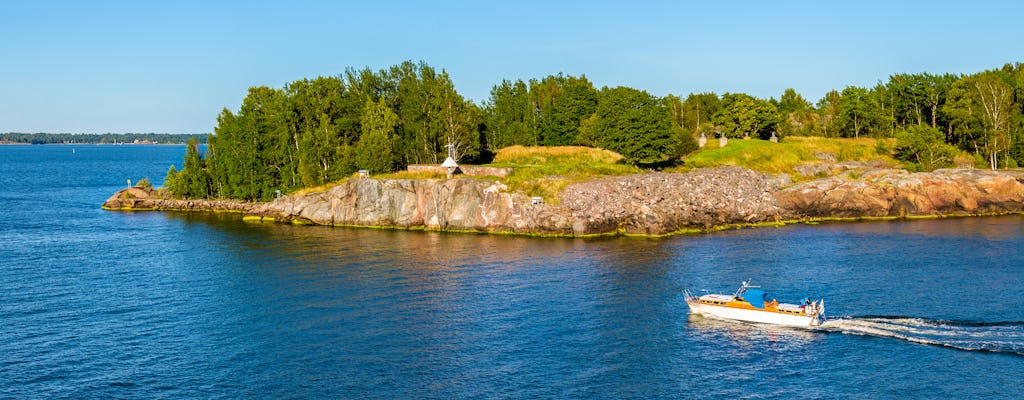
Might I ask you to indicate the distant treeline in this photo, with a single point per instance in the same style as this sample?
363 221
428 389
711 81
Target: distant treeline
311 132
100 138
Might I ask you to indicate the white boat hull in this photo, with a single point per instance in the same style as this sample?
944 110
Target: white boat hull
764 317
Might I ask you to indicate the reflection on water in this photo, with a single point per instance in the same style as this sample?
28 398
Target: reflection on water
744 334
988 228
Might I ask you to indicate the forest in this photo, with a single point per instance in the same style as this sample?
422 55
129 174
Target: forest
315 131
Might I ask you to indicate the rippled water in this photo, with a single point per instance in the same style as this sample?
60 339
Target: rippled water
172 305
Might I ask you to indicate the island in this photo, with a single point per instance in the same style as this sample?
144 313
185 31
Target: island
557 156
643 204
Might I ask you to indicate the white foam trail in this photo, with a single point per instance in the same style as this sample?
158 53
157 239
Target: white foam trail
1002 338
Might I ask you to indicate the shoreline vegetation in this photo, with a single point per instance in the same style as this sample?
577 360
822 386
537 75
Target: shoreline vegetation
589 160
14 138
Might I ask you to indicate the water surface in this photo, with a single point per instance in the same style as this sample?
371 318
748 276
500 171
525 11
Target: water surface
172 305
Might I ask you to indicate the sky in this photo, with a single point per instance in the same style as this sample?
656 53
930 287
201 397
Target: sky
172 66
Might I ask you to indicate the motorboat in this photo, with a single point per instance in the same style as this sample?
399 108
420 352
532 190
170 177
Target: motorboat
750 303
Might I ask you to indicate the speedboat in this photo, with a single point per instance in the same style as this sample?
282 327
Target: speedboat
750 303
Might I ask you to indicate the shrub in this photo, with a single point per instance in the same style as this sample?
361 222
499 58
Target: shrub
923 149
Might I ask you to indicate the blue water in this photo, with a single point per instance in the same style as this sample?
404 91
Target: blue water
98 304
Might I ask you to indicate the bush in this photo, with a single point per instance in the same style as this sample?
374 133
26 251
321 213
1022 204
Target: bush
923 148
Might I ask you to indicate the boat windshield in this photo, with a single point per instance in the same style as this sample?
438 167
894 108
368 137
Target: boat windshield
755 297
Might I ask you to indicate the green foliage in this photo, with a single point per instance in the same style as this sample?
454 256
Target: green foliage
193 181
252 153
828 112
431 115
575 100
375 149
321 126
923 149
637 125
741 114
696 111
687 142
509 116
307 133
983 112
857 111
144 183
915 99
796 115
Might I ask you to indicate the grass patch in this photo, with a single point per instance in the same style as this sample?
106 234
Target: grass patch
322 188
412 175
536 155
545 171
775 158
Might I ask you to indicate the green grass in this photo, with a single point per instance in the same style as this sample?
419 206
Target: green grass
775 158
545 171
522 155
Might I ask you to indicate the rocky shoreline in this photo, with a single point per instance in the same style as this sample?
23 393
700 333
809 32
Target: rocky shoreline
651 204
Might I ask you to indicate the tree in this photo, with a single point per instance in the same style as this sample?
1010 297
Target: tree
193 181
376 146
636 125
431 115
697 110
508 116
460 122
741 114
935 90
857 110
982 110
320 128
924 148
796 114
251 149
574 101
828 109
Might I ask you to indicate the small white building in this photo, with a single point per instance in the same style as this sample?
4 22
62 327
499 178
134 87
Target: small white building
451 165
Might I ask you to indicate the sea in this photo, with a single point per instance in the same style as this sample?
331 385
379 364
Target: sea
106 304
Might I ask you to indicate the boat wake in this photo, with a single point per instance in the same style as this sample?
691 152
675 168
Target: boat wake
995 337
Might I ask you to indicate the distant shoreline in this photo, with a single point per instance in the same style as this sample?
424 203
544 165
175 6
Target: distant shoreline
100 138
88 143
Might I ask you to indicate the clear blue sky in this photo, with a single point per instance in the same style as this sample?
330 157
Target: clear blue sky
171 66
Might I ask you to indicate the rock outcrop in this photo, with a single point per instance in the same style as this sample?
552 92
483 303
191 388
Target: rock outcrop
144 198
891 193
656 203
461 204
643 204
648 204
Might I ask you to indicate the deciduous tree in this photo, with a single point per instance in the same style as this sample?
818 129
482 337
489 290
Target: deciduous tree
636 125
